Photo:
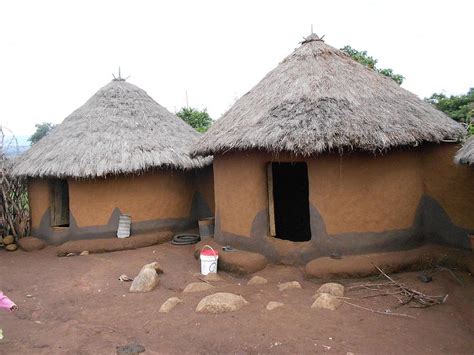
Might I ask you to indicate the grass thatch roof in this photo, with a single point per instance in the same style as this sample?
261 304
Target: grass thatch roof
118 130
319 99
465 155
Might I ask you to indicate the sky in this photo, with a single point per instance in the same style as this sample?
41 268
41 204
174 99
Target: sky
54 55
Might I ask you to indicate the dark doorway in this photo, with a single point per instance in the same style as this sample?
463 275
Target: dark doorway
290 190
59 203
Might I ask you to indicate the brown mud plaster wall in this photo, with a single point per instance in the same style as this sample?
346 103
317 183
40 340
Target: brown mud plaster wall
159 200
450 184
357 193
157 195
449 202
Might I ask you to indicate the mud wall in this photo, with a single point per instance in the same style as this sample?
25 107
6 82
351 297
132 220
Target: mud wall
159 200
356 193
145 197
359 202
449 187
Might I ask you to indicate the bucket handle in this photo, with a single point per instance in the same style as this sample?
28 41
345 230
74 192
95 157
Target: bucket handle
208 246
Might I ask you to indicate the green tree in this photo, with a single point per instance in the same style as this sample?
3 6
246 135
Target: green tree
370 62
42 129
458 107
199 120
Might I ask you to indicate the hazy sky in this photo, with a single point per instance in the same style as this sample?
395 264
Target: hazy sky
54 55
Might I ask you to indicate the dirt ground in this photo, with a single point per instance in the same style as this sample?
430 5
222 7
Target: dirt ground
76 305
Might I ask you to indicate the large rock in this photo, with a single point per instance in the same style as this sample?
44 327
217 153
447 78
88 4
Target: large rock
221 302
169 304
8 239
147 279
238 261
332 288
326 301
31 244
11 247
197 287
291 285
113 244
257 280
272 305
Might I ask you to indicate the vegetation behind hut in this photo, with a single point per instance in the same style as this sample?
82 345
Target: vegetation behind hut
458 107
199 120
370 62
42 129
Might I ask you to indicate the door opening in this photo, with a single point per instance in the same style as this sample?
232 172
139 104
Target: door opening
59 203
288 193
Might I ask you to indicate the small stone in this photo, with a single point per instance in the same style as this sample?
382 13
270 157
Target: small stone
85 252
29 296
169 304
31 244
71 254
197 287
130 349
272 305
332 288
326 301
8 239
257 280
221 302
11 247
291 285
147 279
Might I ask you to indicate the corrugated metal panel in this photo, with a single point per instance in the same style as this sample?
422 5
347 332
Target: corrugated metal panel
125 222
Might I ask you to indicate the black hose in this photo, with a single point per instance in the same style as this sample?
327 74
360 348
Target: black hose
185 239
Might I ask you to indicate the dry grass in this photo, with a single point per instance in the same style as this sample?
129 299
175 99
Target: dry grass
466 153
118 130
319 99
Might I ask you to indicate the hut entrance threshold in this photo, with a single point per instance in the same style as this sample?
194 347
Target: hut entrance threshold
288 196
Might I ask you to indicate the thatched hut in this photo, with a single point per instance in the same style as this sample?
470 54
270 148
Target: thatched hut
465 155
327 156
119 153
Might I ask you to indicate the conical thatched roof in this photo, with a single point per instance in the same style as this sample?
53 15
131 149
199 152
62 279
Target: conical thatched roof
465 155
118 130
320 99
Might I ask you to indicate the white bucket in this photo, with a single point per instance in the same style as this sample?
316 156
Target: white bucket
208 260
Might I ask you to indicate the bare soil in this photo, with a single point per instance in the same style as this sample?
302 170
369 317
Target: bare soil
76 305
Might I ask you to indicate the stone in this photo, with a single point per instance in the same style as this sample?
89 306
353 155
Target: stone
257 280
221 302
272 305
169 304
197 287
240 262
291 285
85 252
31 243
11 247
147 279
332 288
326 301
130 349
8 239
